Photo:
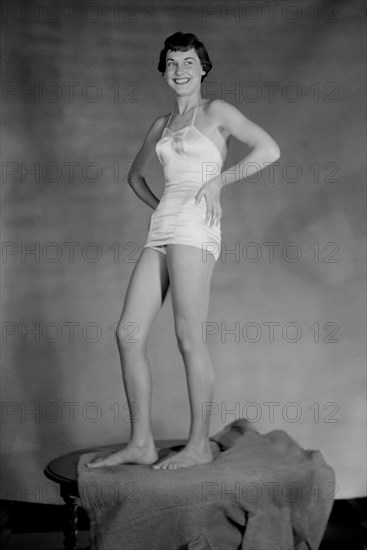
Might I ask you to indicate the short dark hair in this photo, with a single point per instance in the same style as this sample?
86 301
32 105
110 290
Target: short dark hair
181 42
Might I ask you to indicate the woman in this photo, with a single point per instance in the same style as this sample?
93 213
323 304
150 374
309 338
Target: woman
183 243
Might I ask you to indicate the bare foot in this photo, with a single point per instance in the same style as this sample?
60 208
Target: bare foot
189 456
131 454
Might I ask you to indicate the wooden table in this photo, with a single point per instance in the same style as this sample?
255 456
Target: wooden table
63 470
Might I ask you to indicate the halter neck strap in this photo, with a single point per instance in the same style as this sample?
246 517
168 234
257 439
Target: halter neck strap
169 120
196 109
193 116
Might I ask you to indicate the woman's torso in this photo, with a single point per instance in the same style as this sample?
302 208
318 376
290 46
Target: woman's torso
188 155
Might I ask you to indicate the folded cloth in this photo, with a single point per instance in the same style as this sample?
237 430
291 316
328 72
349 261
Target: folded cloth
261 492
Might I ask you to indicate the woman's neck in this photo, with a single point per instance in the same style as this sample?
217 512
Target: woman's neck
186 104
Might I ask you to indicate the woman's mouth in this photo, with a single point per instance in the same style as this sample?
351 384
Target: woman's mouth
181 81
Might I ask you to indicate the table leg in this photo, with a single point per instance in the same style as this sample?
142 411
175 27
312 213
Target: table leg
359 508
71 522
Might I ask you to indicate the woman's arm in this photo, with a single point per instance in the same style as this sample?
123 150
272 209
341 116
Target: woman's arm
264 149
141 162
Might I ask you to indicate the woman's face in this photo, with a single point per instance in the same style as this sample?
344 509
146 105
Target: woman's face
183 71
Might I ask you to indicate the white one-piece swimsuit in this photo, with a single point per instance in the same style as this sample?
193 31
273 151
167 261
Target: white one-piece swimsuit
189 160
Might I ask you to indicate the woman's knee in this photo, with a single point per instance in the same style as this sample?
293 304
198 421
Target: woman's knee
129 339
188 335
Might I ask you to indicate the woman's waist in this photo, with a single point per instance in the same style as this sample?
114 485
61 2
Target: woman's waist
173 196
198 173
182 185
190 180
180 191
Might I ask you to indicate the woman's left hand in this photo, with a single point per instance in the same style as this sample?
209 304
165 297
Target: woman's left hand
211 191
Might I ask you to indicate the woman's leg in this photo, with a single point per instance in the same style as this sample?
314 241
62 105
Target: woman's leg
145 294
190 278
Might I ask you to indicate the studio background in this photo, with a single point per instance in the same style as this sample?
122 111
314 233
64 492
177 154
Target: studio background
79 92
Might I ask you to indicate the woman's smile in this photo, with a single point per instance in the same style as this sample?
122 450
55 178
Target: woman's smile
180 81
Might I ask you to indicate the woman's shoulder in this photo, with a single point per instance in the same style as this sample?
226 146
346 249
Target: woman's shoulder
219 106
163 119
157 126
223 113
159 121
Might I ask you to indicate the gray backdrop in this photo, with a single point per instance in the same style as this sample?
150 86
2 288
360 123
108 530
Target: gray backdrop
80 89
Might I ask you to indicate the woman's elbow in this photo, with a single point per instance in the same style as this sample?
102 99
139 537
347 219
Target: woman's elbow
269 150
132 176
130 179
274 151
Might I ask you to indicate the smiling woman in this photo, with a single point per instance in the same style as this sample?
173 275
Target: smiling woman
180 42
183 243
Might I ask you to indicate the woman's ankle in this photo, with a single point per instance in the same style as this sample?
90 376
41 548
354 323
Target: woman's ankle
142 442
